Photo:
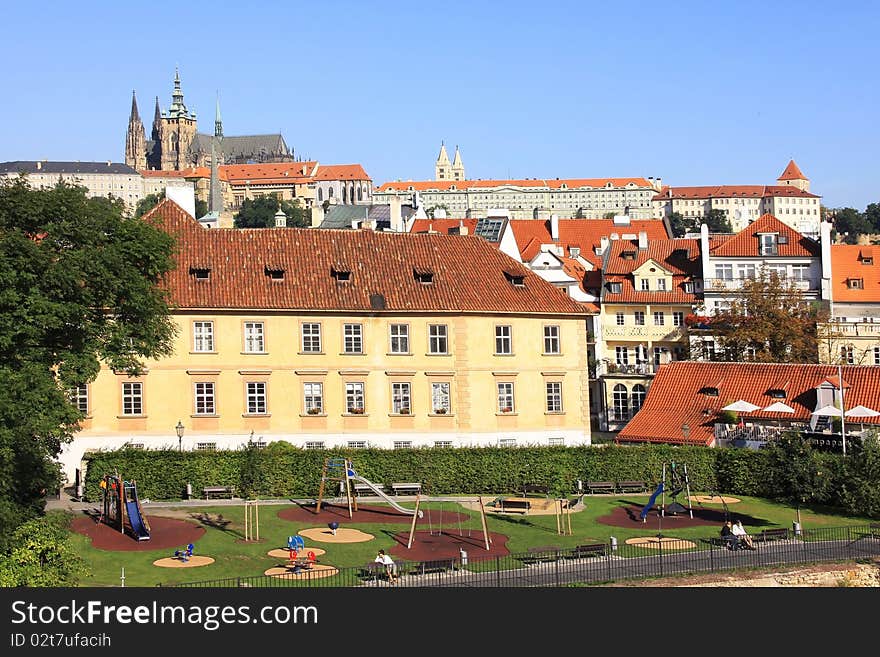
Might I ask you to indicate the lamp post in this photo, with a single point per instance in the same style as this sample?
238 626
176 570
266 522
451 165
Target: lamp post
179 429
842 409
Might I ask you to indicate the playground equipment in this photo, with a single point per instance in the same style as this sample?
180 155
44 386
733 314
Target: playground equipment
340 470
563 517
678 481
121 504
185 554
252 520
418 514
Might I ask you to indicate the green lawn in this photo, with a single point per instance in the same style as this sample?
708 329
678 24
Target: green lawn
234 558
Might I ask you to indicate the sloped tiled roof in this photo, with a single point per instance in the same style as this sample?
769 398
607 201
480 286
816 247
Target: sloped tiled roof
34 166
538 183
746 244
850 261
242 146
705 192
674 397
792 172
442 225
381 263
341 172
191 172
680 256
268 173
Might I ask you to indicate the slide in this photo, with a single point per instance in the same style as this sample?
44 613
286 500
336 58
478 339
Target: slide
644 514
139 526
381 493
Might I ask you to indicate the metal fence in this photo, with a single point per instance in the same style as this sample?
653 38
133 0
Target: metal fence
661 557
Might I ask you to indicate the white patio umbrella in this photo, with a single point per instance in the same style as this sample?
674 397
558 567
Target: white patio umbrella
741 406
828 410
861 411
778 407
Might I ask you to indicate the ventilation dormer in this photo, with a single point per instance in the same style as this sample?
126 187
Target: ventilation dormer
855 283
341 273
423 275
274 273
200 273
776 393
515 278
628 255
614 287
709 391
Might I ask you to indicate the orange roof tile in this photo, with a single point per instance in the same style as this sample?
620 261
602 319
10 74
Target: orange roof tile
442 225
680 256
540 183
674 397
853 262
191 172
730 191
746 244
341 172
792 172
381 263
269 173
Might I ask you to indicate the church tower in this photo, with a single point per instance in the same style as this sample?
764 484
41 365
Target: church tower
794 177
442 169
457 166
177 128
135 139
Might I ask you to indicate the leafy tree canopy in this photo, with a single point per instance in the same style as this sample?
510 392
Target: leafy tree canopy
78 288
770 322
260 213
42 555
717 221
850 223
146 204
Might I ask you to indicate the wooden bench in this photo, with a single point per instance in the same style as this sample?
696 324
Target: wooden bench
594 487
515 505
588 550
541 553
406 488
432 566
538 489
632 486
363 489
770 535
219 491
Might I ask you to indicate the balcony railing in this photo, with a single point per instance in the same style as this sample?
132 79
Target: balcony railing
737 284
644 369
647 332
854 329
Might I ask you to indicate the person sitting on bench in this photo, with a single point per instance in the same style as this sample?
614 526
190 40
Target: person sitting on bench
728 537
742 535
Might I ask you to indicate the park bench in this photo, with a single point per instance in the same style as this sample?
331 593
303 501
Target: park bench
515 505
372 570
541 553
219 491
594 487
632 486
363 489
406 488
770 535
588 550
432 566
538 489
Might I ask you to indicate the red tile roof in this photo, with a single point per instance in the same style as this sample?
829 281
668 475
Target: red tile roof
730 191
849 262
792 172
539 183
191 172
272 173
341 172
680 256
746 244
674 397
442 225
380 263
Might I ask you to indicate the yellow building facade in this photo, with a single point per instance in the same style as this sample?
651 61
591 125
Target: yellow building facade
349 339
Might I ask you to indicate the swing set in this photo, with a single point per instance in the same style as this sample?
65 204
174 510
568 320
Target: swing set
419 514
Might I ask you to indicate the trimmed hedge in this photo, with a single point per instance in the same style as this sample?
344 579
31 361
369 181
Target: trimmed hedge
281 470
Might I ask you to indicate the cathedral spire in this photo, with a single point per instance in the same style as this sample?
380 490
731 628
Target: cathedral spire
134 116
218 123
178 109
215 194
135 139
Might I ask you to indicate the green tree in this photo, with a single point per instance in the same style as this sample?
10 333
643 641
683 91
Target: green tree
42 555
797 474
440 206
850 224
872 215
79 285
717 221
680 224
201 208
146 204
860 494
770 322
260 213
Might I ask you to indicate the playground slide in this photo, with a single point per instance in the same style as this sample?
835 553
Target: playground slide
140 530
382 494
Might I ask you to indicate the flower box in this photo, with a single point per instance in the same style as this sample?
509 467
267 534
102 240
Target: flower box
440 411
356 411
314 411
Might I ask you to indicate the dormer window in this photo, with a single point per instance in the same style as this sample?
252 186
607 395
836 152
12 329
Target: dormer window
614 287
274 273
342 275
768 243
689 287
574 251
515 278
855 283
424 276
200 273
776 393
709 391
783 239
628 255
866 259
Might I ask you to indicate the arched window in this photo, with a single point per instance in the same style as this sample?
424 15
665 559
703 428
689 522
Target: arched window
621 403
320 194
637 397
344 195
329 192
360 193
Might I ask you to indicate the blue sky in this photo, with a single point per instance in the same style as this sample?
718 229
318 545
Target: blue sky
697 93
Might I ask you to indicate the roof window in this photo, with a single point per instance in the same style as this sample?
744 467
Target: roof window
274 273
855 283
341 274
776 393
200 273
614 287
709 391
423 276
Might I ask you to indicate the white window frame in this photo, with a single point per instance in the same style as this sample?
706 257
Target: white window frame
503 340
355 398
553 396
132 398
254 338
403 444
619 319
659 318
441 398
79 397
552 340
353 338
505 396
438 339
311 337
621 355
639 317
203 337
677 318
313 398
398 338
204 398
256 398
401 398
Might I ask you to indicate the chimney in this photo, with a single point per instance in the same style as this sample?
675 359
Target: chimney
603 245
554 227
643 240
462 229
39 165
395 214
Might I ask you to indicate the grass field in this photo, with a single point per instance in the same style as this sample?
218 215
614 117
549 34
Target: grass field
224 535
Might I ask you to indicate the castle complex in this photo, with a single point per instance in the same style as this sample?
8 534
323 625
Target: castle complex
176 144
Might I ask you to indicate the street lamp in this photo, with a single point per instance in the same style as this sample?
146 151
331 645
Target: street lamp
179 429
